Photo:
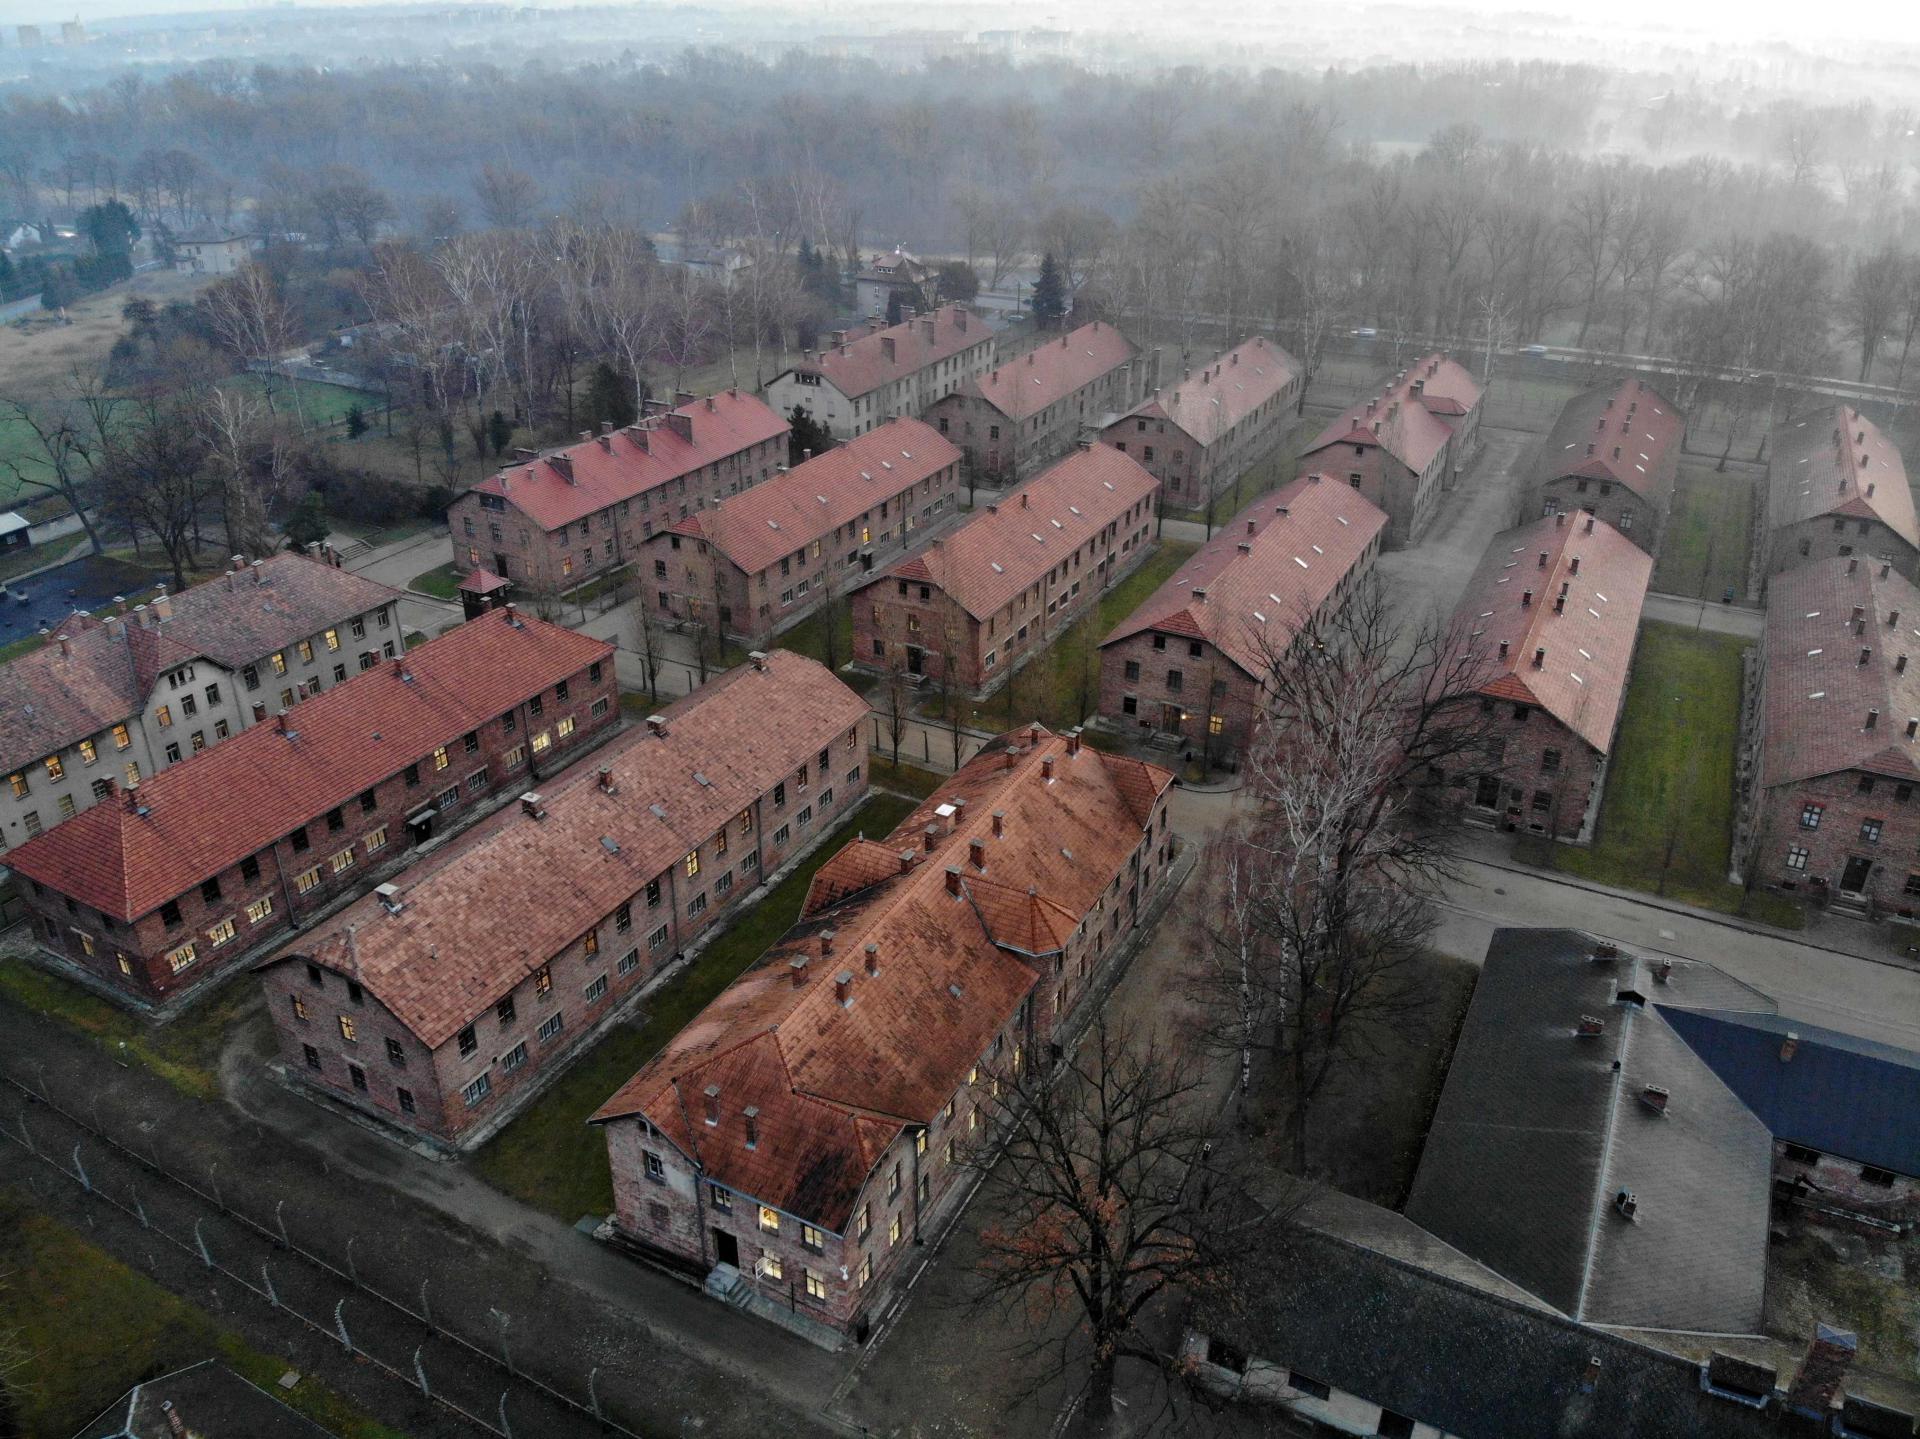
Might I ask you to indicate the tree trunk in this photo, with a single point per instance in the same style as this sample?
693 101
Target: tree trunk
1096 1418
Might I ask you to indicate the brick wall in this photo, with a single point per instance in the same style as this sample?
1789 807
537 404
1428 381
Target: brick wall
291 879
1137 691
1005 450
1876 828
1790 546
1548 777
1638 518
1845 1184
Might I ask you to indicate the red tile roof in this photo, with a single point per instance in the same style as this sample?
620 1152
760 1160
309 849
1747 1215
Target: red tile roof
199 818
1009 545
862 365
834 1083
1242 379
1588 643
1024 386
757 526
1838 462
1412 427
483 581
1817 692
641 457
1269 569
484 912
56 696
1630 417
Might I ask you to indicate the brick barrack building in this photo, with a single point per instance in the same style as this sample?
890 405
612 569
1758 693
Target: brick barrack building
550 521
1546 631
1614 452
1833 741
164 886
441 1003
1403 448
1193 660
120 698
758 563
973 605
809 1130
1837 486
1199 436
870 375
1029 409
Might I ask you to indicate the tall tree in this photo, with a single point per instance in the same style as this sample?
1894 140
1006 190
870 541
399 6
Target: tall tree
1049 303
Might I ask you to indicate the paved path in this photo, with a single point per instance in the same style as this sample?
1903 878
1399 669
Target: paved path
1705 614
1428 577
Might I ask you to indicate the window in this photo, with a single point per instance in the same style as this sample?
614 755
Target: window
597 990
782 834
1311 1387
221 933
543 980
564 729
693 863
478 1090
893 1231
816 1286
250 868
164 716
346 1028
1810 815
769 1220
1796 856
864 1227
170 913
396 1056
1870 830
1873 1174
298 839
121 737
1133 669
439 756
542 742
657 941
1866 784
1399 1426
1800 1154
1550 760
551 1026
377 840
697 905
342 861
173 752
313 1056
260 909
468 1041
865 1271
629 962
307 880
811 1238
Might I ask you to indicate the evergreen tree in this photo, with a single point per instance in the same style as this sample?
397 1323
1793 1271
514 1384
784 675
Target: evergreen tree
499 432
307 522
1049 295
109 227
610 398
356 422
957 282
806 436
894 307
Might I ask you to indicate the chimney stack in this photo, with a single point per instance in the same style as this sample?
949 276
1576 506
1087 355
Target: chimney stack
606 779
1829 1356
657 725
1046 769
1655 1098
751 1114
1526 599
826 942
999 824
977 853
1539 657
712 1092
1788 1046
873 961
1591 1026
953 881
530 805
797 970
176 1426
843 989
1625 1205
759 658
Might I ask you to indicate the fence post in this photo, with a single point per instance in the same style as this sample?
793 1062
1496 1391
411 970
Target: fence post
425 1312
280 1220
593 1393
267 1279
80 1171
139 1209
26 1136
340 1325
213 1183
506 1347
353 1272
200 1240
420 1373
505 1427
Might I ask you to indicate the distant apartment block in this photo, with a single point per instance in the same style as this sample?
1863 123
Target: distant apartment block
755 563
551 521
868 376
1403 447
1615 453
442 1002
973 605
1202 434
1026 411
162 886
117 700
1194 660
1837 486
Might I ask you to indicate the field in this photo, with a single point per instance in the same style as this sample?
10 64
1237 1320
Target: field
1666 819
548 1156
1704 550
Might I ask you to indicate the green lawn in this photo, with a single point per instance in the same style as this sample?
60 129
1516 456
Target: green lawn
809 637
185 1052
441 581
1666 819
320 404
1704 550
548 1156
86 1329
1050 686
40 556
903 778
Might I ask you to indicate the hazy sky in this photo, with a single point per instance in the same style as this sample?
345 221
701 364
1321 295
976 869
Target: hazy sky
1872 21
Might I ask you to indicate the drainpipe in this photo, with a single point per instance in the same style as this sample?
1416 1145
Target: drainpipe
917 1239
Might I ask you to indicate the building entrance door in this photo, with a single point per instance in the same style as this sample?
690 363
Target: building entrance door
1173 719
1855 877
726 1249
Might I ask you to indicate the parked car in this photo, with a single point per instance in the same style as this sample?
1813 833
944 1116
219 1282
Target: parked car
1534 350
1366 332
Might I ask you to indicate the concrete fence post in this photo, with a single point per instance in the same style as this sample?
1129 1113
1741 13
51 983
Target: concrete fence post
267 1279
80 1171
426 1312
139 1209
420 1373
200 1242
26 1136
506 1428
340 1325
593 1393
280 1220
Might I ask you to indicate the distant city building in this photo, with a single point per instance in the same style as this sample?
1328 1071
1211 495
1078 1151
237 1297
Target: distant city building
1404 447
1614 452
867 376
1202 434
1193 661
1837 486
553 520
118 700
1545 634
977 603
443 1002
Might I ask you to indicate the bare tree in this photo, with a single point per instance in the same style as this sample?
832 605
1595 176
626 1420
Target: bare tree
68 454
1871 299
237 435
508 197
1114 1196
253 322
154 476
896 703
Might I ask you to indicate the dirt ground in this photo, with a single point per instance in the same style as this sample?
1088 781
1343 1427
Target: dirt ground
1868 1284
40 352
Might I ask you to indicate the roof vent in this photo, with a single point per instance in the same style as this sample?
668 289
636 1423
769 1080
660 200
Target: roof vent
1625 1205
1789 1046
1655 1098
1591 1026
530 805
389 897
657 724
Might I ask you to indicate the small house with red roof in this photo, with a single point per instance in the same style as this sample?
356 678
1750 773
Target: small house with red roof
1614 452
553 520
870 375
1403 447
1026 411
163 885
1547 628
975 604
754 563
442 1003
1192 662
1837 487
814 1125
1200 435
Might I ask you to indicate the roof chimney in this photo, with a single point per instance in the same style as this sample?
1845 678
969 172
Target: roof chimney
873 961
843 989
564 465
1625 1205
712 1092
530 805
1574 567
1655 1098
759 658
1252 528
1589 531
1200 595
1866 654
999 824
163 605
1828 1357
930 836
1073 740
1591 1026
1559 518
977 853
826 942
797 969
389 895
1526 598
1503 649
606 779
657 724
1663 972
1873 718
1046 769
176 1426
751 1114
953 881
1788 1046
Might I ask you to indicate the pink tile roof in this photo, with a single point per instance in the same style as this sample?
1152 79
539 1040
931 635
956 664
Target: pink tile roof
834 1083
484 912
1818 692
1412 428
1630 417
482 581
1009 545
788 512
1838 462
196 819
641 457
1242 379
1267 571
1588 643
1024 386
862 365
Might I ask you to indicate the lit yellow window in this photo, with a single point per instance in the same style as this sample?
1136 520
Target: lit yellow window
306 650
769 1220
122 737
307 879
816 1286
593 941
332 638
440 757
164 715
278 660
133 772
260 909
565 727
18 783
180 958
346 1026
342 862
1216 723
88 754
543 981
377 840
693 862
221 933
542 742
86 941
